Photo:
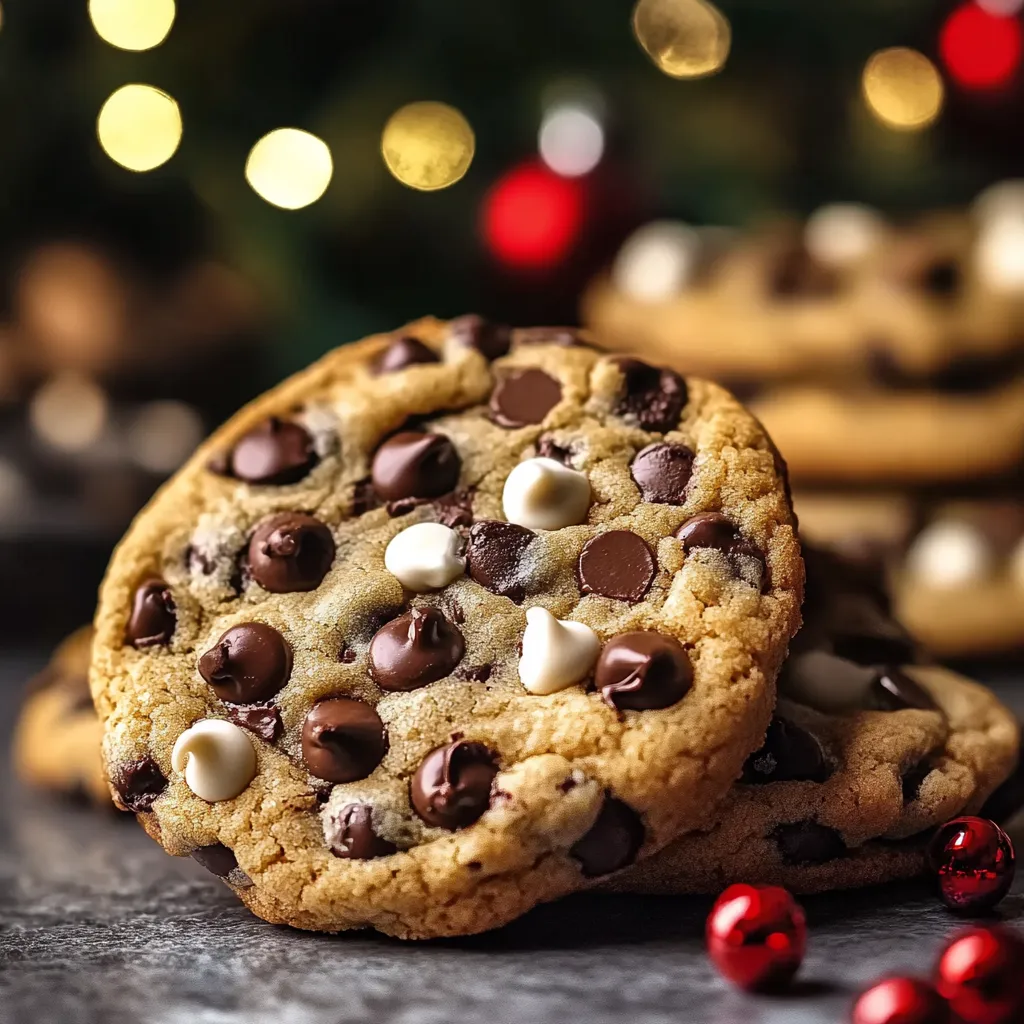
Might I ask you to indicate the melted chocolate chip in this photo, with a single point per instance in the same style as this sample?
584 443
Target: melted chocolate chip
402 352
612 842
262 719
249 663
913 779
662 472
495 557
139 783
455 510
290 552
788 754
452 787
417 648
643 671
714 530
153 616
523 397
217 859
893 690
412 464
807 842
616 564
491 340
350 834
548 449
276 452
654 397
343 740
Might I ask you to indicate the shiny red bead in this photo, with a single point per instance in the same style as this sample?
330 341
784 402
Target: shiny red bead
756 936
981 974
972 860
901 1001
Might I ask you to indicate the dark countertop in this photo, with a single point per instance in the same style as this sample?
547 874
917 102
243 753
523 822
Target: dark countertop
99 926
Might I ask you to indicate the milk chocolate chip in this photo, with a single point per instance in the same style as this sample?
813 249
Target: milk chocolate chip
616 564
412 464
452 787
643 671
417 648
404 351
250 662
153 615
290 552
523 397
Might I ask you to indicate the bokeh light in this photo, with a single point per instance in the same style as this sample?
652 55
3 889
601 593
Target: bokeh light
132 24
531 217
163 434
1003 199
684 38
289 168
1003 7
657 261
999 254
139 127
571 139
427 146
980 49
902 88
69 412
843 234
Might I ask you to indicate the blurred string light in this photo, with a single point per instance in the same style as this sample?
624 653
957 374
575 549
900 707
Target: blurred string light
684 38
132 24
1003 7
289 168
657 261
161 435
427 146
531 217
139 127
902 88
981 49
571 139
843 234
69 412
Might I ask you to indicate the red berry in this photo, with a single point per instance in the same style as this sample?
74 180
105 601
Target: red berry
972 860
756 936
981 974
901 1001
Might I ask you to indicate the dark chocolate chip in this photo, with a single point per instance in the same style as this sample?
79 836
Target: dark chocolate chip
217 859
861 631
653 396
364 498
643 671
350 834
276 452
548 449
413 464
262 719
788 754
893 690
662 472
153 616
616 564
491 340
807 842
402 352
452 787
523 397
251 662
139 783
913 779
290 552
714 530
347 655
495 557
343 740
474 673
455 510
612 842
417 648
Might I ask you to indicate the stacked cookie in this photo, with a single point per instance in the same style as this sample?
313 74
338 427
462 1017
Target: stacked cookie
463 619
883 361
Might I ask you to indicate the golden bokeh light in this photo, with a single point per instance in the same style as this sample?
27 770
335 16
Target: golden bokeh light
139 127
902 88
684 38
289 168
69 412
132 24
427 146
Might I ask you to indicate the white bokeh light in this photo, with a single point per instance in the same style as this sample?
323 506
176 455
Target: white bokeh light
571 140
1001 8
69 412
841 234
163 434
657 261
1004 198
999 255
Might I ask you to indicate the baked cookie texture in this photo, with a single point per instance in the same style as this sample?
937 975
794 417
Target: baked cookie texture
401 776
57 735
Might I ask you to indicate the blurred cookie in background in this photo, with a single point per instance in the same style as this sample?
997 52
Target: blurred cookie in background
57 736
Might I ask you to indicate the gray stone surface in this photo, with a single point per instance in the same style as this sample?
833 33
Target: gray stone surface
99 926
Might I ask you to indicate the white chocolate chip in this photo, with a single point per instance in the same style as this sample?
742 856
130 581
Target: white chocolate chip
425 556
542 494
556 652
949 554
216 758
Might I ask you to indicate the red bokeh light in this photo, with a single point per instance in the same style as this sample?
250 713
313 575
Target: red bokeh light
531 217
980 50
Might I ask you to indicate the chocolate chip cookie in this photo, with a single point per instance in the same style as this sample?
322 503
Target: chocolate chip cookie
455 621
57 736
